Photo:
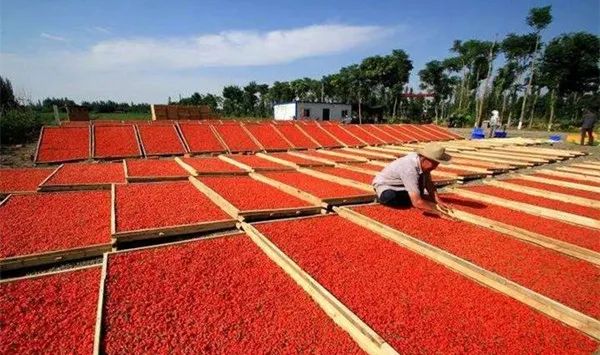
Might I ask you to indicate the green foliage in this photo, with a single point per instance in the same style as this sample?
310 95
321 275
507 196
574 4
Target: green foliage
7 96
20 125
539 17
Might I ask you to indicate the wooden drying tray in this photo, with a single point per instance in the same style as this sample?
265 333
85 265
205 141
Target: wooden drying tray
539 302
323 202
251 215
161 232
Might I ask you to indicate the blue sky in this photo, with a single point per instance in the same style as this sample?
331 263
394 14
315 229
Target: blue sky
150 50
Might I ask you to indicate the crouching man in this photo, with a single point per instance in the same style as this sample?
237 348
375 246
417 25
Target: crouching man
403 182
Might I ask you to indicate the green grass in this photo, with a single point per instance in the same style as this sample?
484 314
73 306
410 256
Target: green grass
130 116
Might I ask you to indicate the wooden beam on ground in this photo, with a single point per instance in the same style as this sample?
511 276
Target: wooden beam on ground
584 172
352 157
359 331
581 201
317 159
569 175
535 238
587 166
560 183
235 163
531 209
510 157
541 303
520 164
290 163
376 155
540 151
53 257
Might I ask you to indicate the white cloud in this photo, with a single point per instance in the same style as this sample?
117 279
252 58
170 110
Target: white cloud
150 69
232 48
52 37
101 29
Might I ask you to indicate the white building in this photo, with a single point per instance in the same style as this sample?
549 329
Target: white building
321 111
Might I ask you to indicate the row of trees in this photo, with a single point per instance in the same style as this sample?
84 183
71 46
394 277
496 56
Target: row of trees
538 82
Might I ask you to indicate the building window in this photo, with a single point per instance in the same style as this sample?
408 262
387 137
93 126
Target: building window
306 112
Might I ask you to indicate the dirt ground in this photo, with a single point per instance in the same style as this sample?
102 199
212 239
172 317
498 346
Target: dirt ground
12 156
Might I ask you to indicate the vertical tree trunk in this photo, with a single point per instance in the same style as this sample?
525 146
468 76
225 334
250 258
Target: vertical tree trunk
395 105
535 98
359 109
529 82
552 101
504 97
436 113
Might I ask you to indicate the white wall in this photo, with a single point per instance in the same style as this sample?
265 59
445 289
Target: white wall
284 112
316 110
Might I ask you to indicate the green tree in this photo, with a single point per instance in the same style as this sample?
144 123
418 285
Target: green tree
569 67
435 79
233 100
539 18
7 96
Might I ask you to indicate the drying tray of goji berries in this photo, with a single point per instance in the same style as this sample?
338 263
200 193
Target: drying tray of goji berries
237 301
161 209
50 312
65 226
63 144
84 176
231 194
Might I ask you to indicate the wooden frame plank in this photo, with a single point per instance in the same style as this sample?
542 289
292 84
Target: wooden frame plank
308 135
520 164
354 158
544 193
100 308
570 175
528 236
561 183
250 169
215 197
253 138
584 172
220 139
376 155
193 172
290 163
283 137
52 257
359 331
531 209
48 273
510 157
541 303
317 159
587 166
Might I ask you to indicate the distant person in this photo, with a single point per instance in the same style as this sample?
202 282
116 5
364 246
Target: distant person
493 123
589 120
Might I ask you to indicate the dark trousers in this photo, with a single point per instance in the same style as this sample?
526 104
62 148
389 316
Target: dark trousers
399 198
590 133
395 198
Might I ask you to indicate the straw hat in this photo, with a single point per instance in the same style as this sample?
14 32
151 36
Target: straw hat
434 152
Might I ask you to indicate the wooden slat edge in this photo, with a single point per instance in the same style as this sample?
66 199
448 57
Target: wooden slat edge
214 196
100 308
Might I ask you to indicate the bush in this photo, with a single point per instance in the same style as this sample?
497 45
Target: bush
20 126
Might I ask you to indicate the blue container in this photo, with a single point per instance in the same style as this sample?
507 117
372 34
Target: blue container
556 138
500 134
477 133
